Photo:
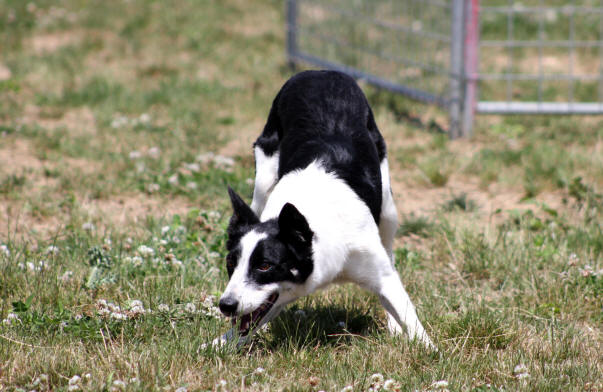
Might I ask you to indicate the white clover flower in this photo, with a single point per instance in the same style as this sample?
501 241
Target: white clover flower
163 308
521 371
221 385
137 261
441 384
416 25
376 379
144 118
66 276
146 251
181 389
41 379
249 181
191 185
135 154
4 250
348 388
74 380
214 255
164 230
173 179
177 263
119 121
205 158
214 215
30 266
190 307
154 152
223 162
119 385
135 303
300 314
152 188
587 271
194 167
52 249
391 385
88 226
118 316
140 167
72 388
259 370
573 259
134 380
163 242
136 307
10 319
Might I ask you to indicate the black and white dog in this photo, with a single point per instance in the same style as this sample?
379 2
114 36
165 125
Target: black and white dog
322 209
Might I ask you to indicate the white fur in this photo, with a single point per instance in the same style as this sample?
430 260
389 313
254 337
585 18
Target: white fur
266 175
388 221
347 246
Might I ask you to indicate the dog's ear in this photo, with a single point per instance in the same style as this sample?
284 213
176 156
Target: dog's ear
294 229
242 213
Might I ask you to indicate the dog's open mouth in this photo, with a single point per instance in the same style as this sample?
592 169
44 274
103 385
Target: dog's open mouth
249 320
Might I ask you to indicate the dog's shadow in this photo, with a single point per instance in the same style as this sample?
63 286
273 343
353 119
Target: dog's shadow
325 325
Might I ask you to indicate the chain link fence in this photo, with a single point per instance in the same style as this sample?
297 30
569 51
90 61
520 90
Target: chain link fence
537 57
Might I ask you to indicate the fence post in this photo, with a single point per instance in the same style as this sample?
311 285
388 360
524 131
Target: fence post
456 68
471 64
291 31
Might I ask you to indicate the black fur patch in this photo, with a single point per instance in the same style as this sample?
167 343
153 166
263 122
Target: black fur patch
324 115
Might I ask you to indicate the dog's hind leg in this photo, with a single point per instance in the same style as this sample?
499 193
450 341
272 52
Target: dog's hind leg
388 221
266 154
266 176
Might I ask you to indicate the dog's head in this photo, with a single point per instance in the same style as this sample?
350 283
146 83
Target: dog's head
265 259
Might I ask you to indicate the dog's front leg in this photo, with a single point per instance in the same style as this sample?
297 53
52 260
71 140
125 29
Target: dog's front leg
266 175
400 309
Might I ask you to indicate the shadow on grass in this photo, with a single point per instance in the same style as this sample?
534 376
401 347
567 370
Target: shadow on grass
321 325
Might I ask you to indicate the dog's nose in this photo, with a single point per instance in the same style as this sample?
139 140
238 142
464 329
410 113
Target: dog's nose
228 306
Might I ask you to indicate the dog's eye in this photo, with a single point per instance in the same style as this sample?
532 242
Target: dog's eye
264 267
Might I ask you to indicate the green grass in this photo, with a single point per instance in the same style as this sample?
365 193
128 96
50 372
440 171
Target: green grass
108 193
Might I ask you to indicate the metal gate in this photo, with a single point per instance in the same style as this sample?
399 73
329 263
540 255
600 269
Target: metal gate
533 56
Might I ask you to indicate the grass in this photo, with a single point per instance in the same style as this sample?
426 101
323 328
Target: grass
122 123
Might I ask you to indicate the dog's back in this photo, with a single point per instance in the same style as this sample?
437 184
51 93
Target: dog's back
324 116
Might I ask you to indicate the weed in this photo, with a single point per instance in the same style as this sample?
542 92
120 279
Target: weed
437 169
460 202
418 225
